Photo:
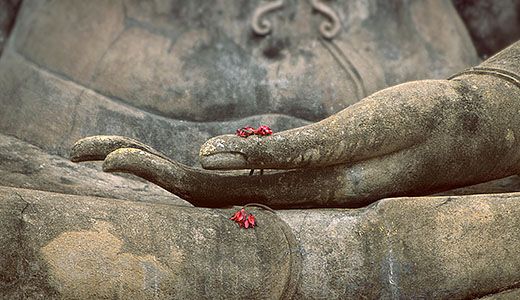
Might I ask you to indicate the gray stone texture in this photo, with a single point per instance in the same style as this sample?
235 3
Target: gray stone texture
174 73
411 139
26 166
79 247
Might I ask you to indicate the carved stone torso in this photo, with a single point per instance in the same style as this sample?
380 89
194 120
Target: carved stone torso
160 71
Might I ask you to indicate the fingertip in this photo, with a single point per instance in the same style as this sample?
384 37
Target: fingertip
224 161
123 159
217 144
83 150
225 152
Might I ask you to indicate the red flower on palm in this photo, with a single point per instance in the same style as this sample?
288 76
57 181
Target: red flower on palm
239 216
250 221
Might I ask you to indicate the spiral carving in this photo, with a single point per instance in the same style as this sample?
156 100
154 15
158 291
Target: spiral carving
262 26
329 28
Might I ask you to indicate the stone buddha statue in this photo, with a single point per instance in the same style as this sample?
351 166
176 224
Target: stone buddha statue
142 85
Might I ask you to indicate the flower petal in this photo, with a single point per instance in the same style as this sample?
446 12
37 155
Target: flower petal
251 220
263 130
245 131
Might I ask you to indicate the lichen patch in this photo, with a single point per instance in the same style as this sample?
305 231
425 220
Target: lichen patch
91 264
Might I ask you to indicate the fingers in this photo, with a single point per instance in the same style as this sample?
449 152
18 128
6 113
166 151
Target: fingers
228 152
335 186
98 147
217 189
300 188
388 121
407 172
169 175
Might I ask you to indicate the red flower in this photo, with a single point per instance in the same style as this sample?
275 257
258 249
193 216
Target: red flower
263 130
248 130
250 221
239 216
244 219
245 131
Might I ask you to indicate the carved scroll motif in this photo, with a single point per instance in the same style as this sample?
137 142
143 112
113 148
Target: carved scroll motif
263 26
330 28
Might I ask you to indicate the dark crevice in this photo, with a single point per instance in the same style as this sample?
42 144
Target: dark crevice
509 288
492 25
10 10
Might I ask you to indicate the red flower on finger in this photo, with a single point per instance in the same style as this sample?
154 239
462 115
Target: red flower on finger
245 131
248 130
263 130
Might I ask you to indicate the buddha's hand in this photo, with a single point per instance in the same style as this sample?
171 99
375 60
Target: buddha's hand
411 139
415 138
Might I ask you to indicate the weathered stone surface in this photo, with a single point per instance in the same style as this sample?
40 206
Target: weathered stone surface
199 61
159 73
58 112
409 248
26 166
504 185
314 187
412 139
77 247
80 68
64 246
